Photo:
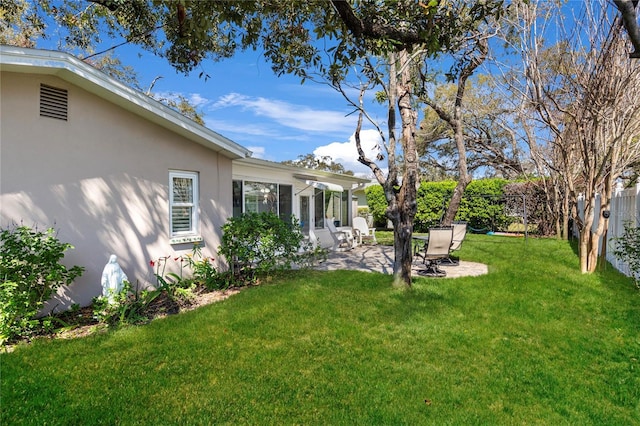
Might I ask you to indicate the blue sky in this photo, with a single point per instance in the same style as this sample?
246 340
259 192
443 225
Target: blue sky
276 117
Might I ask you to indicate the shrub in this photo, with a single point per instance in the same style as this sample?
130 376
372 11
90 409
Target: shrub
482 205
131 306
31 272
172 291
257 243
628 249
363 211
202 268
432 202
127 307
377 203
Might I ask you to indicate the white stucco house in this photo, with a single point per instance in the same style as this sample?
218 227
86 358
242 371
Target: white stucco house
115 172
313 196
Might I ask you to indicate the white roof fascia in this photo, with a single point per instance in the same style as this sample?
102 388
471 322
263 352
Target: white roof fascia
77 72
301 173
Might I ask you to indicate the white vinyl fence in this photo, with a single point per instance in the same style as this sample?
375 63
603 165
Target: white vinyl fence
625 207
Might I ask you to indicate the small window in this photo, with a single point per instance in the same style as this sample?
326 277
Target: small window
183 203
53 102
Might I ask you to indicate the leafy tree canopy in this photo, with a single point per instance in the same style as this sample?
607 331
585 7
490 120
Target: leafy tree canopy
326 163
294 35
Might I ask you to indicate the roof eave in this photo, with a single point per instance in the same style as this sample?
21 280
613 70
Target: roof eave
75 71
301 172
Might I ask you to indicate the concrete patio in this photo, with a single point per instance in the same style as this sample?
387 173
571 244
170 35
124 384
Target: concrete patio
378 258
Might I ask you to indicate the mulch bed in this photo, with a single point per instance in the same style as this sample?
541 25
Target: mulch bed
82 322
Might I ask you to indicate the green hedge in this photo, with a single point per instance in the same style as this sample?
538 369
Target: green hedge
433 198
261 243
482 206
377 205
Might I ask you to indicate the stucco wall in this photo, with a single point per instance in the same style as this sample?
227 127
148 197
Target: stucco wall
101 179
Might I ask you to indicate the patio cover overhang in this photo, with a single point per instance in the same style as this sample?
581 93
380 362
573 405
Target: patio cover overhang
326 186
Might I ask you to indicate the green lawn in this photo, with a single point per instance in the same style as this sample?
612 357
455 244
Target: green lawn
532 342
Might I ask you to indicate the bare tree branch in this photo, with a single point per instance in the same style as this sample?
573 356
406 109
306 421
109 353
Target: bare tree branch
627 9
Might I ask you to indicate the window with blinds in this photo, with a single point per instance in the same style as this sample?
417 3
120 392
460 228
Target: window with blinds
53 102
183 203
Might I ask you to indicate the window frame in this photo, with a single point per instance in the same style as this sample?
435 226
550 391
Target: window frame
319 214
282 196
194 205
330 204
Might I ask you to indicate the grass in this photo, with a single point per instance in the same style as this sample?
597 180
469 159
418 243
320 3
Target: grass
532 342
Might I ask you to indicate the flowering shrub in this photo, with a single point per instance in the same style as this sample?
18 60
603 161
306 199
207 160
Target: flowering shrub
202 268
175 284
30 272
132 307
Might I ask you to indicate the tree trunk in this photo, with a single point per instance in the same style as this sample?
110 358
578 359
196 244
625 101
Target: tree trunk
590 237
557 214
603 223
583 249
454 203
457 123
403 255
566 233
401 199
406 196
463 173
628 10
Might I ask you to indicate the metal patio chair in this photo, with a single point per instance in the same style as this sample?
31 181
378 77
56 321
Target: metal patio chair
459 233
437 249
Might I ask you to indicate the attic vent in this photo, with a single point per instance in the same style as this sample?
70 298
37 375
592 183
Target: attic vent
53 102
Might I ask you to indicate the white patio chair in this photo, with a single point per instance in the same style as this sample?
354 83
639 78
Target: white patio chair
342 240
362 231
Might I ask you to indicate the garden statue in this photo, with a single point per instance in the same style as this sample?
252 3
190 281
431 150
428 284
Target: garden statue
113 278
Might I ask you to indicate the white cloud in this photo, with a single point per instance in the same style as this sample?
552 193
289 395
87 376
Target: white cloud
290 115
346 153
257 151
195 99
240 128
